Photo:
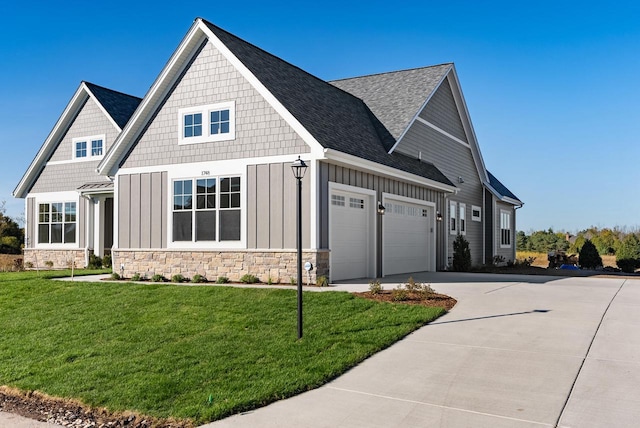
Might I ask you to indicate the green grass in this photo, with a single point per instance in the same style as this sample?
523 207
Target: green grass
162 350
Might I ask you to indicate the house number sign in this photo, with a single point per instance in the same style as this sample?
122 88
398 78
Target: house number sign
205 173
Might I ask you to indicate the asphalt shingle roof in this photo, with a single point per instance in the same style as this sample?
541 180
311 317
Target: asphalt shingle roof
395 97
337 120
501 188
120 106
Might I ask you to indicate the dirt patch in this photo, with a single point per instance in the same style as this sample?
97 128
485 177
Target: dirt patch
41 407
412 298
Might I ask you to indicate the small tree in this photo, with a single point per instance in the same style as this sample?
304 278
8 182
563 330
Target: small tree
589 257
628 255
461 255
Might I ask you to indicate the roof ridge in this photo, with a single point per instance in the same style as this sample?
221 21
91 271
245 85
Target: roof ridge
111 90
392 72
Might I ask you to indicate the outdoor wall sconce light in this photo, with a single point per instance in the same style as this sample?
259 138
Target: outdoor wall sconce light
299 168
381 208
460 180
438 216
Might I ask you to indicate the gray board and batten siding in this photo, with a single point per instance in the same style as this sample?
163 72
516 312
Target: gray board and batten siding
142 210
259 130
352 177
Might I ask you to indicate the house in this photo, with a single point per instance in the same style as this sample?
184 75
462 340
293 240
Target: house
196 177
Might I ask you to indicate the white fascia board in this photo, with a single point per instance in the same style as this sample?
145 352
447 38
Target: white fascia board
61 126
306 136
354 161
424 104
101 107
458 97
503 198
151 100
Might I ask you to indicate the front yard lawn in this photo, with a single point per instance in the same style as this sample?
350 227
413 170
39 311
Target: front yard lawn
187 352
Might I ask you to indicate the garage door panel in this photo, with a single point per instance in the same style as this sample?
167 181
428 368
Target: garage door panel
350 235
407 238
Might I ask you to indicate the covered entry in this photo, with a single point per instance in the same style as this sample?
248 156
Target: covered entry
352 232
408 237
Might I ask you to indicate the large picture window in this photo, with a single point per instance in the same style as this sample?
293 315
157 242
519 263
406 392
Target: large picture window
215 216
505 228
57 223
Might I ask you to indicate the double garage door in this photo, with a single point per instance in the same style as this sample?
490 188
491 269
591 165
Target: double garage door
408 241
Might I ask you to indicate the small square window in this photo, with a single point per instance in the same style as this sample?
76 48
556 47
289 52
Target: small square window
81 149
192 125
476 213
96 147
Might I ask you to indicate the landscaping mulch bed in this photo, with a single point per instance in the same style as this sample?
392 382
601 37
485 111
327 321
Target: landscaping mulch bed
67 413
412 298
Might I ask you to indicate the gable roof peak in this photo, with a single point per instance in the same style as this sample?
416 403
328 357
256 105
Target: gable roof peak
392 72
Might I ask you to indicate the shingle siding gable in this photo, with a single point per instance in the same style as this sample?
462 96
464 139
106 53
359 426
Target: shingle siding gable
211 79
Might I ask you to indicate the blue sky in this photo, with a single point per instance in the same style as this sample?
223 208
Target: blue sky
552 87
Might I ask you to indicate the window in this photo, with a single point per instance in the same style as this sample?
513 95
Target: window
505 228
81 149
463 219
57 223
216 214
192 125
476 213
210 123
88 148
356 203
453 227
96 147
337 200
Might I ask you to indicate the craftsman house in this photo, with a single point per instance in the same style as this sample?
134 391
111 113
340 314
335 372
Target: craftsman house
196 177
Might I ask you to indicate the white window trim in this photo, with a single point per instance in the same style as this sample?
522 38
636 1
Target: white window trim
476 208
88 139
51 198
462 218
208 244
206 136
511 237
453 214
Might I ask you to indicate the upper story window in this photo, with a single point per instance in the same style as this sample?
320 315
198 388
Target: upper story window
88 148
209 123
476 213
57 223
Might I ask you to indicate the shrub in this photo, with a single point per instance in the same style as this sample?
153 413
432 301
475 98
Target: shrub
115 276
270 280
322 281
197 278
136 277
399 294
177 278
588 257
525 261
411 284
222 280
498 260
426 290
48 264
293 281
106 261
247 278
95 262
28 265
628 255
461 255
375 287
157 278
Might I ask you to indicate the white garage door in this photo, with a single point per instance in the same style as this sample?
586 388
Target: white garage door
350 238
408 240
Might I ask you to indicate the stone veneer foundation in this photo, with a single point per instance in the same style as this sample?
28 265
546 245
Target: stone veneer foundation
279 265
61 259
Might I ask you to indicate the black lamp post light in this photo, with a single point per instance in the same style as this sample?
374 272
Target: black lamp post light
299 168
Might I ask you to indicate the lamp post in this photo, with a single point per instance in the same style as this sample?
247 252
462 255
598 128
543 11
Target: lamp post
299 168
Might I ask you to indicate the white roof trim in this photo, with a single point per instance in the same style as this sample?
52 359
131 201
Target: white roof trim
357 162
503 198
197 34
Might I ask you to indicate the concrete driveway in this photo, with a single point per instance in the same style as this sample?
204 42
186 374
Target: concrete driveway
516 351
